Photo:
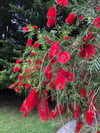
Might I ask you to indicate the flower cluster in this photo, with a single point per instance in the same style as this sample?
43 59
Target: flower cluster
56 66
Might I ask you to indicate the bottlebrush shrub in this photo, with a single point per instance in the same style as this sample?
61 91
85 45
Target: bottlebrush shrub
64 61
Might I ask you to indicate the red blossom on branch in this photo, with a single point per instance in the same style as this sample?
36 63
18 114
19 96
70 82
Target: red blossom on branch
70 18
62 3
78 127
29 42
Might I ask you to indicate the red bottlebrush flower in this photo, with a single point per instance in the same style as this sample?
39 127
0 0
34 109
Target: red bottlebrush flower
19 77
50 22
69 76
18 61
82 52
53 114
76 112
37 67
63 57
67 109
62 3
13 85
54 49
48 75
47 69
90 35
16 89
85 38
83 74
27 76
43 109
29 42
25 29
16 69
44 83
78 127
35 27
82 92
67 38
20 83
96 22
47 39
90 51
27 86
51 15
38 61
59 109
80 18
70 18
26 69
60 79
32 53
45 92
25 114
52 61
30 101
96 8
52 85
89 117
36 45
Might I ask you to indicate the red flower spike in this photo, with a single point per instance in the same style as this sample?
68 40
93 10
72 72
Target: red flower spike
27 76
52 85
54 49
89 117
78 127
25 114
36 45
29 102
19 77
37 67
45 92
48 75
90 51
85 38
82 92
35 27
32 53
59 109
96 22
16 69
82 52
25 29
70 18
76 112
29 42
96 8
67 109
63 57
62 3
47 69
80 18
44 83
27 86
53 114
16 89
20 83
43 109
51 15
60 79
69 76
12 86
18 61
67 38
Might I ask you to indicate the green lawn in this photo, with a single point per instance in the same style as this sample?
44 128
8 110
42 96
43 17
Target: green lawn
12 121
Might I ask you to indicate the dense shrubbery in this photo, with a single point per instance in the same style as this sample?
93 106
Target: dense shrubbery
63 60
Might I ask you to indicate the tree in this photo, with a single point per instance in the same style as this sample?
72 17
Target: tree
63 61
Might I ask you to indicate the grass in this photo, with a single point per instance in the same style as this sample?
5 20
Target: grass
12 121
